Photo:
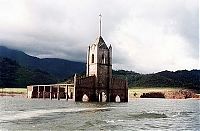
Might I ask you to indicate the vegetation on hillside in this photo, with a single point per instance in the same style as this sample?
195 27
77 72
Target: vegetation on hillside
183 78
14 75
18 69
59 68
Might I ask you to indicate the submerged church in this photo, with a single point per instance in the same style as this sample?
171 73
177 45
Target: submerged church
99 85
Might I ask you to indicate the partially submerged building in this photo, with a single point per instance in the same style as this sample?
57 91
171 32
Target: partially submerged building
52 91
97 86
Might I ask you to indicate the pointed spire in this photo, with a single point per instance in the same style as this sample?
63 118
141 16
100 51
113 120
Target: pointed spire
100 24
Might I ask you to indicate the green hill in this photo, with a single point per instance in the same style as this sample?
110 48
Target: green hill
19 70
182 78
59 68
14 75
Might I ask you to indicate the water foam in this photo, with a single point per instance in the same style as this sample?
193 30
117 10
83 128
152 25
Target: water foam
37 113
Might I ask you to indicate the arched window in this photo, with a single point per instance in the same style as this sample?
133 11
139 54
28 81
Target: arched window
92 58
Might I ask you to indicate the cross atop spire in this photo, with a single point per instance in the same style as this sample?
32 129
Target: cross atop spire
100 24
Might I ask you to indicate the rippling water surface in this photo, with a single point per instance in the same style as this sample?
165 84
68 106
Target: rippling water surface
137 114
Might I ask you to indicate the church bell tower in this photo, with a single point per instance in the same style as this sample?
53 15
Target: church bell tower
99 85
99 62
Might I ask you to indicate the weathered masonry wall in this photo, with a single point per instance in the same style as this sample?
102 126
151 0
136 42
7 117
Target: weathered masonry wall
119 88
85 86
55 91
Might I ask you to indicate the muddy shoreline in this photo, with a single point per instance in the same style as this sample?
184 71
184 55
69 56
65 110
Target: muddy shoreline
167 95
13 94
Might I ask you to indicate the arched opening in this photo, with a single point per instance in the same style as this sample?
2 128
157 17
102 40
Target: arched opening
92 58
102 97
85 98
117 99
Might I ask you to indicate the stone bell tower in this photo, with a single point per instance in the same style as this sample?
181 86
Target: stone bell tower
99 85
99 64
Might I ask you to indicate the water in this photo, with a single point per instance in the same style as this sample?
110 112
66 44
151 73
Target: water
138 114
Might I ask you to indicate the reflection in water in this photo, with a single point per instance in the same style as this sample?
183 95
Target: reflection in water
138 114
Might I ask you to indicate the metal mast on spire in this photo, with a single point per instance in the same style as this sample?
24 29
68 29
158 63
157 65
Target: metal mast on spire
100 24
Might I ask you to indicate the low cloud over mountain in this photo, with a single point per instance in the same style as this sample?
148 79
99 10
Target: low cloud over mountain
147 35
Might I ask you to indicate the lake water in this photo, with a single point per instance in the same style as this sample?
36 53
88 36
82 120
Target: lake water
138 114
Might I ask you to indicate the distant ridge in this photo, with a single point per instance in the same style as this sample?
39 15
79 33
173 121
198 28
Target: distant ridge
14 75
33 70
181 78
61 69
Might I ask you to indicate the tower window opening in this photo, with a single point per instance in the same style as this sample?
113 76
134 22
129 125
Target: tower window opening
92 58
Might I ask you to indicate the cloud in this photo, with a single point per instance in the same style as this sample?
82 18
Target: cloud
164 36
147 36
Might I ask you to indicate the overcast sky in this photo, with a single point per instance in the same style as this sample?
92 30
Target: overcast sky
147 35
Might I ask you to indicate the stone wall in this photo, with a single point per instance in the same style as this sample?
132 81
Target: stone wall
119 88
85 86
102 77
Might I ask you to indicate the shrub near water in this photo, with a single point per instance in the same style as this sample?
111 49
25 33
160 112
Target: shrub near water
153 95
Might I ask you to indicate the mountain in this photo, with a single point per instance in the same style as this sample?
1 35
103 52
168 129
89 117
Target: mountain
21 69
14 75
182 78
59 68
